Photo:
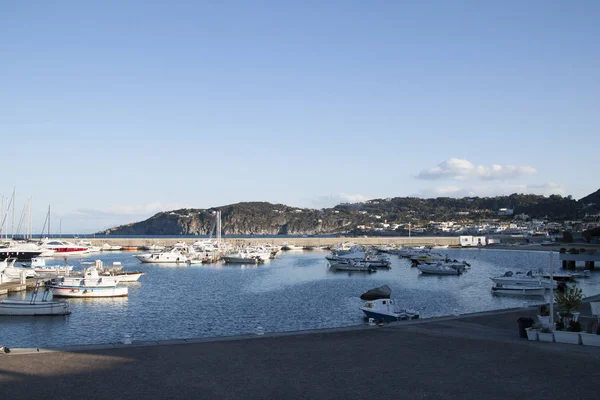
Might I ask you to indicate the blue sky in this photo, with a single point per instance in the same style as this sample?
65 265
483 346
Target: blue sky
111 111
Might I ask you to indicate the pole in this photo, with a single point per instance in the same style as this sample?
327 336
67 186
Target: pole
551 291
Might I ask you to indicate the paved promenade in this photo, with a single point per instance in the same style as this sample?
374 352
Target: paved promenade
470 357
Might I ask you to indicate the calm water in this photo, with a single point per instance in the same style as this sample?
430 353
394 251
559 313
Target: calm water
293 292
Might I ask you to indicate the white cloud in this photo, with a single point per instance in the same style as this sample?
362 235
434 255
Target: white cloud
462 170
545 189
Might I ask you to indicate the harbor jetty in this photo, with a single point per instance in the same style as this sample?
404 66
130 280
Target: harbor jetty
135 242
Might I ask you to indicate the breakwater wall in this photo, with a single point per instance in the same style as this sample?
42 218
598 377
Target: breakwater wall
308 241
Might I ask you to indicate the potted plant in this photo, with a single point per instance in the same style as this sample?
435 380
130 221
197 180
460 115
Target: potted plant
591 339
570 336
568 300
532 332
546 335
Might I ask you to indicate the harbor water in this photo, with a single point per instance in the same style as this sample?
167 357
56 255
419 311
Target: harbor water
296 291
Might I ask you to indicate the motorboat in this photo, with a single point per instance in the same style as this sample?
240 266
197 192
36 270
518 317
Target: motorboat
92 284
382 292
176 255
440 269
33 306
352 266
520 279
21 251
242 258
91 248
291 247
519 290
116 271
387 310
12 273
109 247
63 247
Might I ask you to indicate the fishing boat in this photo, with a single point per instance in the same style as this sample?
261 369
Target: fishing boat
33 306
92 284
387 310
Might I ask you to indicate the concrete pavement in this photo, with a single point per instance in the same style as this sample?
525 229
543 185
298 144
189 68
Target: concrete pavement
476 356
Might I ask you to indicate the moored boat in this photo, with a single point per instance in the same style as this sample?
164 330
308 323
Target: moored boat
516 290
33 306
387 310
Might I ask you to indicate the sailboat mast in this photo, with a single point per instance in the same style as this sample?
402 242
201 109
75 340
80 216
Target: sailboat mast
12 229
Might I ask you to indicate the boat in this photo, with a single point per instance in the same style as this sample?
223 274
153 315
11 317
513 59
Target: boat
387 310
92 284
109 247
116 271
33 306
21 251
242 258
39 266
529 279
351 266
63 247
176 255
440 269
381 292
12 273
519 290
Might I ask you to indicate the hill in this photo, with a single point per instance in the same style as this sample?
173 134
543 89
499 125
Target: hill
262 218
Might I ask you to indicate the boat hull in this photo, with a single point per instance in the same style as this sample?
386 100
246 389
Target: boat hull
19 254
519 291
89 292
389 318
27 308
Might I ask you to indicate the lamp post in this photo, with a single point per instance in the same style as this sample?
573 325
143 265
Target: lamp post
551 291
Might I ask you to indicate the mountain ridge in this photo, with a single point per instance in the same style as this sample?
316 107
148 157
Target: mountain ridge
264 218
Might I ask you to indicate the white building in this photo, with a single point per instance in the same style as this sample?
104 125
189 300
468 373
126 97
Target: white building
470 241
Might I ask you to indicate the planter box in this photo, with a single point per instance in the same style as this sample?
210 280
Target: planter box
566 337
546 337
590 339
532 334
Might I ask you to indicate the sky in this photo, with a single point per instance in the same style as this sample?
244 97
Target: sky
111 111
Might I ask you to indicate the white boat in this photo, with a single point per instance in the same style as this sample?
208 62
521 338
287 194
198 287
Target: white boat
33 306
20 250
89 291
174 256
387 310
92 284
116 271
63 248
440 269
109 247
91 248
242 258
12 273
519 290
352 266
520 279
